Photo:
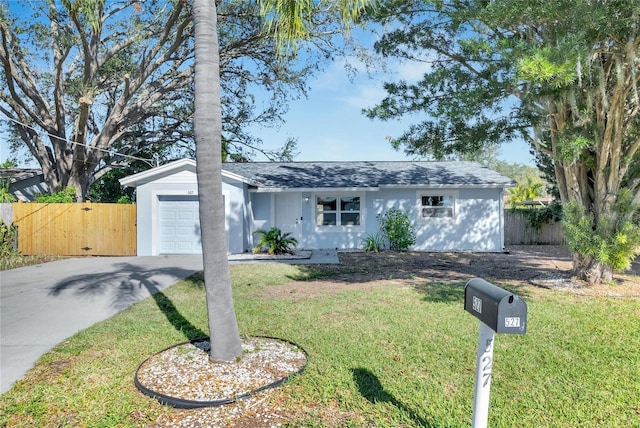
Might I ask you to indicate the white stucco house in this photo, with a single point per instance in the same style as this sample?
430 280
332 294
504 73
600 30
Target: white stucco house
454 206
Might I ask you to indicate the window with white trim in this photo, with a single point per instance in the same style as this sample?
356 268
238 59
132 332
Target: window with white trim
437 206
338 210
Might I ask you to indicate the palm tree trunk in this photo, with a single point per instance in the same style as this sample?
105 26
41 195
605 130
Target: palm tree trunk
223 327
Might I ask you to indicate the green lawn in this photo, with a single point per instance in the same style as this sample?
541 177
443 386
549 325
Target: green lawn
384 355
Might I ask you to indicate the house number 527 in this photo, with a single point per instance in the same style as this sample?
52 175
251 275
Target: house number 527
487 363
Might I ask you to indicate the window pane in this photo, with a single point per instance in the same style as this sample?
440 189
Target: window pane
437 201
326 219
350 219
437 212
350 204
326 204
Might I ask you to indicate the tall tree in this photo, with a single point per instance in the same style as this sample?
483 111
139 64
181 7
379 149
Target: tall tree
86 80
290 21
562 74
223 327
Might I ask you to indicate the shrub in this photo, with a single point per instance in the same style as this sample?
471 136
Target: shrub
124 199
397 229
7 240
373 243
616 240
64 196
275 241
538 217
5 195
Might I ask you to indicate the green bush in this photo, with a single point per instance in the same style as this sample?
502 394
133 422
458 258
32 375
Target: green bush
64 196
275 241
7 240
124 199
616 240
5 195
539 216
397 229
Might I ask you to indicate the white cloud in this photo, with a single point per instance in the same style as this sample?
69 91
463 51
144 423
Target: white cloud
412 71
363 96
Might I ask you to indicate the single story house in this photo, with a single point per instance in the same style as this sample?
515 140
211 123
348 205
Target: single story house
24 183
454 206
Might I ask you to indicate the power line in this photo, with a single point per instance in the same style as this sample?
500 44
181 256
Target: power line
75 143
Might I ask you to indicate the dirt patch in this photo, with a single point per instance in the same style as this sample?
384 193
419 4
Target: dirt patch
546 266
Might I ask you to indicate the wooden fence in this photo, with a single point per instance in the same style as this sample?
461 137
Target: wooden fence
82 229
517 231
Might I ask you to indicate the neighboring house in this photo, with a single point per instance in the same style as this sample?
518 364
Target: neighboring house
24 183
454 206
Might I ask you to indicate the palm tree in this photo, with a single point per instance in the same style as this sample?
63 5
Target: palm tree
223 327
531 188
288 20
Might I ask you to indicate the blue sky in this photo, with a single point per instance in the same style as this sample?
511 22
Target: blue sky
329 124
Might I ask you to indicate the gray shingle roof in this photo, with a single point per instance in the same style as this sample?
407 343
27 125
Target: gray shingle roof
19 174
366 174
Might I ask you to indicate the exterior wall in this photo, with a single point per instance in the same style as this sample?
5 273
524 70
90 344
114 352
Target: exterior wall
236 217
261 216
477 224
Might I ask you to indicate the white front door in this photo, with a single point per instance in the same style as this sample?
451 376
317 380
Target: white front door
289 213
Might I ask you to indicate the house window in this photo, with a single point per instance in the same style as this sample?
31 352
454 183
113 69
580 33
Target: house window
437 206
338 210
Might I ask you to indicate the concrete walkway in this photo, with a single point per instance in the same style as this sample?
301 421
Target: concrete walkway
42 305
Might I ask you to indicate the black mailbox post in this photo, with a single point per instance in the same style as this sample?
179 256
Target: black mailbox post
498 308
499 311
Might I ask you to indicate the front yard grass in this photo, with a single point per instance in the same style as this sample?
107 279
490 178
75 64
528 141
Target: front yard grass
381 354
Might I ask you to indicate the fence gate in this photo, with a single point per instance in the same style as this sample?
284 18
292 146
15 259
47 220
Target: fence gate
82 229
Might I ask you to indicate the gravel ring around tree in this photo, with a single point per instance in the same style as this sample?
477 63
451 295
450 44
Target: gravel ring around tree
184 377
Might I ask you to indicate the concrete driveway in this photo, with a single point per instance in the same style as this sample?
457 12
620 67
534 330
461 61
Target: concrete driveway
42 305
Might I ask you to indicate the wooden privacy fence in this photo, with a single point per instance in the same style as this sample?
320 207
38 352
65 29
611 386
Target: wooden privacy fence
518 231
82 229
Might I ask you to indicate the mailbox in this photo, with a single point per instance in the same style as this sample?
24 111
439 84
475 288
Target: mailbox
499 309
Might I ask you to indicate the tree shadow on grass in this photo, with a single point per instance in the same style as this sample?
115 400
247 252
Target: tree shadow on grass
128 284
370 388
441 292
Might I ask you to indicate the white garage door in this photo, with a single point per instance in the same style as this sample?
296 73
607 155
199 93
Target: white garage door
179 225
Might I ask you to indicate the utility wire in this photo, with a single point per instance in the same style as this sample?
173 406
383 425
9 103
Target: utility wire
75 143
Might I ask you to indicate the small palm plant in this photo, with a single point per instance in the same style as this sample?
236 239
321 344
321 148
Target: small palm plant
275 241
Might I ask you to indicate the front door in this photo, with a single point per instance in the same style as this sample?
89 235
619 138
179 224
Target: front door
289 213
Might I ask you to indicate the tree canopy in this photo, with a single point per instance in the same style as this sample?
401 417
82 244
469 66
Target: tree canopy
563 75
86 81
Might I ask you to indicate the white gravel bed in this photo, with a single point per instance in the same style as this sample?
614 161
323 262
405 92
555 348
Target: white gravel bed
185 372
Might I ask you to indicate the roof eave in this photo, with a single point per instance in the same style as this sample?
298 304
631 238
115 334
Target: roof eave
262 189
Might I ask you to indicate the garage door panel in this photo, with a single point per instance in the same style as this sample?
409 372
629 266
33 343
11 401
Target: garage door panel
179 228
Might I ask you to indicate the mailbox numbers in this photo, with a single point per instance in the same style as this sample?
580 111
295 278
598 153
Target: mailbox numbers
477 304
512 322
487 362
